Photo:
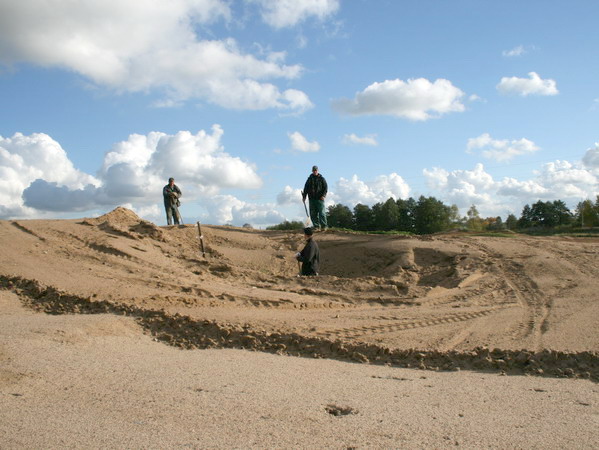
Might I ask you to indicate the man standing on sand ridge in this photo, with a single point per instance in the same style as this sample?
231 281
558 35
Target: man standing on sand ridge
316 190
171 194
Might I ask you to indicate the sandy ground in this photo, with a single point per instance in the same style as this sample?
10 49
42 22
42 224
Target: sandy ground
96 381
461 339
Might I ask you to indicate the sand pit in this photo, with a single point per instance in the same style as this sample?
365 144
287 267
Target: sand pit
499 305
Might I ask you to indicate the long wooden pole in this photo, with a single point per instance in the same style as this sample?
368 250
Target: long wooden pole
201 239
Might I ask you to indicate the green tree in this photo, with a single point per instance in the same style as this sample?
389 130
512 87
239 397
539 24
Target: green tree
473 213
511 222
406 210
377 213
550 214
540 215
587 214
363 219
340 216
294 225
525 220
386 215
431 216
560 212
494 223
454 216
474 222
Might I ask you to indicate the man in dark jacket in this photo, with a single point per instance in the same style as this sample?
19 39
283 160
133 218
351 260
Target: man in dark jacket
309 256
171 194
316 190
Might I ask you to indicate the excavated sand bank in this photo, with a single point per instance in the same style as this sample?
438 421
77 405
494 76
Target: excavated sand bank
402 341
512 305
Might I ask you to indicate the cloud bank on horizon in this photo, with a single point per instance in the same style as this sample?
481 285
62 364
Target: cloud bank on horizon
38 178
133 172
119 48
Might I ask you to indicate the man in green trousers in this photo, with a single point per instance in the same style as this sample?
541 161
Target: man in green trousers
316 190
171 194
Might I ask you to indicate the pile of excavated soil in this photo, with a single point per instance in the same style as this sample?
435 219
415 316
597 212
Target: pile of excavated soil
509 305
123 221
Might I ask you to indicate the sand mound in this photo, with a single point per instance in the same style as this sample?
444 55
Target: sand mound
120 216
125 222
513 305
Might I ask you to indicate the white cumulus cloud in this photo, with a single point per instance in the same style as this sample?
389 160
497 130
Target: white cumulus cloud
415 99
568 180
301 144
289 196
462 187
558 180
353 139
227 209
142 46
24 159
352 191
591 159
500 149
533 85
37 175
530 190
287 13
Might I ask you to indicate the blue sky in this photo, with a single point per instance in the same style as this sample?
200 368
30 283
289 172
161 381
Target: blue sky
489 103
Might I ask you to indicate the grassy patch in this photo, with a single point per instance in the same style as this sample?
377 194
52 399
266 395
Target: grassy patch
495 234
394 232
572 232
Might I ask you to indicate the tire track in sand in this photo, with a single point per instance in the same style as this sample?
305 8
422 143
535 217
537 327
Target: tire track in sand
536 305
407 324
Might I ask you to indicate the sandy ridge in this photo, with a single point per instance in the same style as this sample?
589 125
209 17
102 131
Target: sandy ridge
400 342
183 331
457 294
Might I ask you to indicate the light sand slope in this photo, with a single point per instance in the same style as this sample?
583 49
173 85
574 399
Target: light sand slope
96 381
514 305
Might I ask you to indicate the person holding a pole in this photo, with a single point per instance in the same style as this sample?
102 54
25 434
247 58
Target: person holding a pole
316 190
171 194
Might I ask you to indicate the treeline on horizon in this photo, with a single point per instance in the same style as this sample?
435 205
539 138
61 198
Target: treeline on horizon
428 215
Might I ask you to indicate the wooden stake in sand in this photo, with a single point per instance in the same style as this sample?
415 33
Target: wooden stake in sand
201 239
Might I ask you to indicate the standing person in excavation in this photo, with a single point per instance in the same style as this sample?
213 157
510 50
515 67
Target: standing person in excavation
171 194
309 256
316 190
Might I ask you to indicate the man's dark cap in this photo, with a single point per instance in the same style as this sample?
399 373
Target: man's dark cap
171 179
314 168
308 231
